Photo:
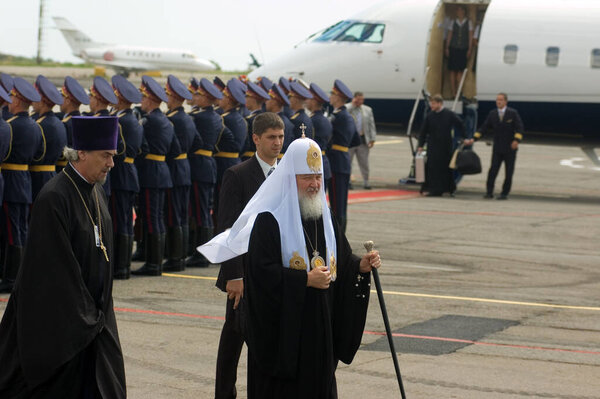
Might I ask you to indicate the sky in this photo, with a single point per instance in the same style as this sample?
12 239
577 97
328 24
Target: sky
225 31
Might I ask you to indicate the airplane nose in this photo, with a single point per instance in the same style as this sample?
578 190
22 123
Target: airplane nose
205 65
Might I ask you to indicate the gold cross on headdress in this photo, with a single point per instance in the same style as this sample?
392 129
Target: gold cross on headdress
303 128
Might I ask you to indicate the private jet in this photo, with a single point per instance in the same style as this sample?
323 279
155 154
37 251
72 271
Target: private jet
125 59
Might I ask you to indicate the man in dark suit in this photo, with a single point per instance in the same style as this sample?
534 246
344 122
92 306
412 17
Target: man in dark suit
240 183
506 126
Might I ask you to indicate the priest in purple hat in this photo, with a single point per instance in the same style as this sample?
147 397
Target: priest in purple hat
58 336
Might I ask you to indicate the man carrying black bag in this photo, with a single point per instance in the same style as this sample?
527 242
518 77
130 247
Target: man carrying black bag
506 126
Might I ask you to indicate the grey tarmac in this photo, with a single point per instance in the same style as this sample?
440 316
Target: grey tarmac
487 299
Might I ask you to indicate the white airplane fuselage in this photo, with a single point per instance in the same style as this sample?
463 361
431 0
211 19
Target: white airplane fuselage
544 54
124 58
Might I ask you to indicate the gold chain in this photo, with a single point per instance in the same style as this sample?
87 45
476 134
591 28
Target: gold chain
102 247
315 252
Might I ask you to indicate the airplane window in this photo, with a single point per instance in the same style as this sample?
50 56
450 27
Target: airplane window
510 53
596 58
333 31
552 54
362 32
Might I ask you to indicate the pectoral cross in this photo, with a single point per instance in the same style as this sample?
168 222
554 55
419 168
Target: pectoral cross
303 128
103 248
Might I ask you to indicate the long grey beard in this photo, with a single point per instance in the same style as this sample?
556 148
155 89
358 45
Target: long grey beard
310 208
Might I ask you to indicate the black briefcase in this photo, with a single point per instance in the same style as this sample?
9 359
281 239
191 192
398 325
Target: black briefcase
468 162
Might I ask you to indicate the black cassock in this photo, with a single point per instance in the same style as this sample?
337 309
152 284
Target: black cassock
437 132
296 334
58 336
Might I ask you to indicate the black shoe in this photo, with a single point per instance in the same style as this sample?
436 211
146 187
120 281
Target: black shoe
433 195
350 186
367 187
488 196
502 197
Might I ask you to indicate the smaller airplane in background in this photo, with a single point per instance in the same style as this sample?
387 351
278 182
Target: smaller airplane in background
125 59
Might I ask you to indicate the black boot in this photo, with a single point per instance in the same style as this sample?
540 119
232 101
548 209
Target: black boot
140 249
192 231
154 255
197 259
123 257
185 241
12 262
175 261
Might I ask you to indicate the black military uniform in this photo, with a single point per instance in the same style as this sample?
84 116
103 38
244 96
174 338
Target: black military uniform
302 122
256 92
158 145
55 135
178 197
344 136
27 145
124 176
322 129
506 129
204 169
229 151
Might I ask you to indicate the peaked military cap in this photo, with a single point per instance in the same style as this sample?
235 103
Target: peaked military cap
265 83
25 90
126 90
299 90
219 83
194 84
284 84
48 90
73 88
256 91
318 93
340 88
236 91
210 89
151 87
4 95
102 88
278 94
6 81
176 86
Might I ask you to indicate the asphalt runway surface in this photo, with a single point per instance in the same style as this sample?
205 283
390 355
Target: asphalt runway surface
486 298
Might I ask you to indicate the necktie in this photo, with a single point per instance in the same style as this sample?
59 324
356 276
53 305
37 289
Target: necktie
271 171
501 114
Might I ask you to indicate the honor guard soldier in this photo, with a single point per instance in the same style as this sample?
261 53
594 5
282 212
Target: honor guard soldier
255 99
322 128
74 95
178 197
298 96
276 104
159 144
204 167
7 82
285 86
243 109
26 145
101 95
5 138
124 176
266 84
55 134
343 137
221 86
229 153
